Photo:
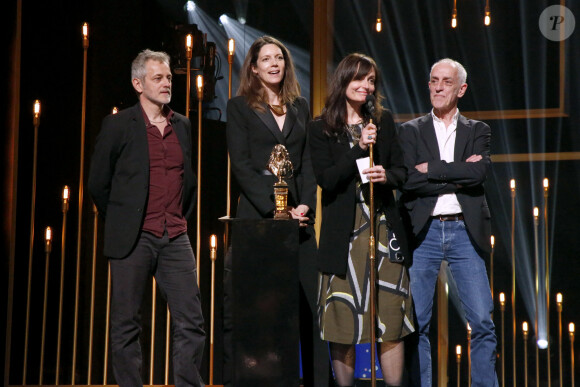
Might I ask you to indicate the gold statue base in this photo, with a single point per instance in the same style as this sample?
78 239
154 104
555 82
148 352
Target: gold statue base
281 198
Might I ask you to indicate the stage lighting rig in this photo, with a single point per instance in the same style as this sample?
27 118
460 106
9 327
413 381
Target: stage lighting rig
203 57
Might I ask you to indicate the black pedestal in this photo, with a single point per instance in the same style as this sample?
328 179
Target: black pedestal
265 303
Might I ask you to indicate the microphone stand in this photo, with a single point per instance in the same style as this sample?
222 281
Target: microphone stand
372 280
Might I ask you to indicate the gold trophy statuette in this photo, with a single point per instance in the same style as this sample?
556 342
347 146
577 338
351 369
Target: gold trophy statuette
281 167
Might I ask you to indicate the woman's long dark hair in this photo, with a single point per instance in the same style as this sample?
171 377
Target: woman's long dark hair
250 85
352 67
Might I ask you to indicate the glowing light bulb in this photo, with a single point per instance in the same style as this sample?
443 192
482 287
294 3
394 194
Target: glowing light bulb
379 25
213 247
231 46
190 6
542 343
536 212
36 108
487 18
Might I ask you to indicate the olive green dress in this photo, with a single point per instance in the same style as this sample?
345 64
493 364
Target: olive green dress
343 301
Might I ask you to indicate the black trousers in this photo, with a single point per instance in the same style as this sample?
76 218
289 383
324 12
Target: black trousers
314 351
172 263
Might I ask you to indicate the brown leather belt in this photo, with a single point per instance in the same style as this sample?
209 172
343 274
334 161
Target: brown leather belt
450 217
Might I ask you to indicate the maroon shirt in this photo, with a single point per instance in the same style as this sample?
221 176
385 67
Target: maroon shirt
164 207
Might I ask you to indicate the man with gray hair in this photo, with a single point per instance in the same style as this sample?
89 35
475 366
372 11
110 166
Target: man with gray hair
142 182
447 158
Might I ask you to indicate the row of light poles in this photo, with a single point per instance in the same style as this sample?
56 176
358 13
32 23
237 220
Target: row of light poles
65 207
525 331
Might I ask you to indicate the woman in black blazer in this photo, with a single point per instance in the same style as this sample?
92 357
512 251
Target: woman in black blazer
269 111
339 137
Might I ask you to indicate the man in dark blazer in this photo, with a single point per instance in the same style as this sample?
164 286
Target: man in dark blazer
142 182
447 157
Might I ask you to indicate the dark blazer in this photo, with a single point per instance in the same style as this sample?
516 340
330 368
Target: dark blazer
251 135
334 164
465 179
119 176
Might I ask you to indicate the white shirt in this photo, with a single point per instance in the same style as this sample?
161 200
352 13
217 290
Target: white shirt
447 204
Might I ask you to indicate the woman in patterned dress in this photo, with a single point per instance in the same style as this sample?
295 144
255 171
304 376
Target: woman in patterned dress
339 137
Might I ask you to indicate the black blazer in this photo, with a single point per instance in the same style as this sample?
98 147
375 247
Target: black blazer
334 164
119 176
251 135
465 179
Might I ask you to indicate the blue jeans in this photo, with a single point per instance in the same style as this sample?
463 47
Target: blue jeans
449 240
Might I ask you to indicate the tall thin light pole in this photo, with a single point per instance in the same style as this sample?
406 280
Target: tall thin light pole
36 123
458 356
188 55
372 295
379 23
559 303
525 331
492 240
513 197
152 337
468 355
80 204
65 205
107 324
231 53
47 249
502 309
93 285
547 279
108 310
571 332
199 83
213 257
537 289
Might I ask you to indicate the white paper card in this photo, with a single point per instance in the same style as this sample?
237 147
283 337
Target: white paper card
363 164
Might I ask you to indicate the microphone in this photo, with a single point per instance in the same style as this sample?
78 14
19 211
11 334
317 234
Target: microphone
368 108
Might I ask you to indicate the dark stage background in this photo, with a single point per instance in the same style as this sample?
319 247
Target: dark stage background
511 67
